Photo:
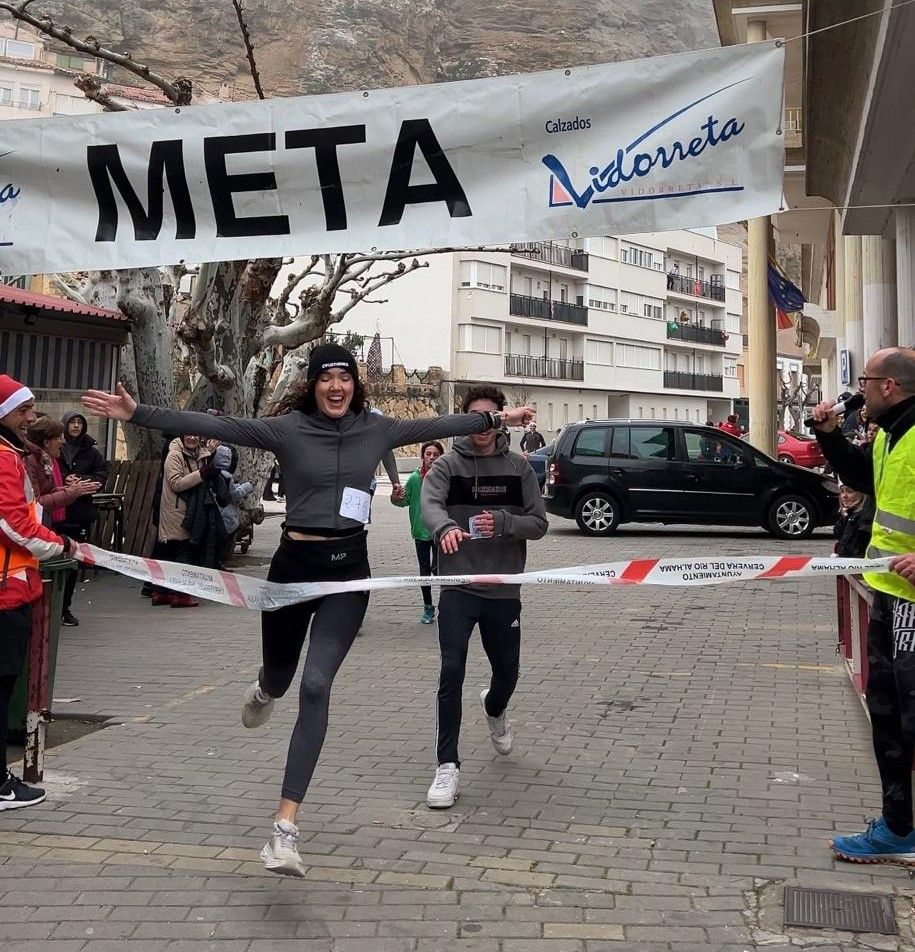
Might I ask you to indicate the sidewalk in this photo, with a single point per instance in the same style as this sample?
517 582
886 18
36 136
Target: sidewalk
680 756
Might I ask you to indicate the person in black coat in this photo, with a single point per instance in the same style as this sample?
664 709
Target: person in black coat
79 459
853 528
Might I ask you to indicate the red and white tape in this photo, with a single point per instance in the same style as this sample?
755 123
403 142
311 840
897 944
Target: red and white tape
244 591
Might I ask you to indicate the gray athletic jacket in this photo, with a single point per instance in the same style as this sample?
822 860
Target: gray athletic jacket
320 457
461 484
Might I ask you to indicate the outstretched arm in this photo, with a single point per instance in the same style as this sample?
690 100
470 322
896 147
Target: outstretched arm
404 432
120 405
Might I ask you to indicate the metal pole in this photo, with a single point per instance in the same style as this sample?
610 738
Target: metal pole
37 705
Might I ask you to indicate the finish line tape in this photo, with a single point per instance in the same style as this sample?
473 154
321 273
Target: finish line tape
244 591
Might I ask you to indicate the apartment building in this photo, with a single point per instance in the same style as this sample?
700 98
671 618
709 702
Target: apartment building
645 327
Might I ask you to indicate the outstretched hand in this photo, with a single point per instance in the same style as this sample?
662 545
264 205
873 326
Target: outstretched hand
119 405
517 416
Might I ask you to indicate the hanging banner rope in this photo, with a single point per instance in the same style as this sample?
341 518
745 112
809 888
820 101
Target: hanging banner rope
243 591
669 142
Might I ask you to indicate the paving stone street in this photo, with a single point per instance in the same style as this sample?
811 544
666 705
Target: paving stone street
680 755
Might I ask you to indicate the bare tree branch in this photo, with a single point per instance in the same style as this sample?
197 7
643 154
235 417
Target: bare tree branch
179 91
249 49
91 88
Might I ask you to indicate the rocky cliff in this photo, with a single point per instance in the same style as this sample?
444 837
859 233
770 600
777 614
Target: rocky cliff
352 44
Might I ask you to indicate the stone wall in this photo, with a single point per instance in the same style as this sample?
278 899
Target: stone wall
409 395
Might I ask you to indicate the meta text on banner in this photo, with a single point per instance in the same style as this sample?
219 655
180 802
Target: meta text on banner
669 142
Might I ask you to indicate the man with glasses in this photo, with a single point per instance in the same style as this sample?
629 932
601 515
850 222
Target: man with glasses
886 469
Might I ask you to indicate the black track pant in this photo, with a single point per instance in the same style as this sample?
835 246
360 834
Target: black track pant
334 621
15 625
891 702
500 631
425 556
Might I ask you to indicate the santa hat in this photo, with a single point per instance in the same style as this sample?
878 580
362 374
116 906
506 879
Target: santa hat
12 394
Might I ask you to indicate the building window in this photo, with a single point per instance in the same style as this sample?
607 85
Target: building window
29 97
599 352
480 338
652 310
603 299
637 357
6 94
71 62
71 105
482 274
730 368
17 49
641 257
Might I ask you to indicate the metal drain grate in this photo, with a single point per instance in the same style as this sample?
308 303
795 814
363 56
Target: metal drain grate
833 909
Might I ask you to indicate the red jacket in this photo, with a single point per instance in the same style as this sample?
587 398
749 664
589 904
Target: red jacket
23 539
729 427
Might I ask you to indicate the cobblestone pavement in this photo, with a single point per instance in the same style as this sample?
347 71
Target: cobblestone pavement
680 755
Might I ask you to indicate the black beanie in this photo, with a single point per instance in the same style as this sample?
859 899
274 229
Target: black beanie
328 357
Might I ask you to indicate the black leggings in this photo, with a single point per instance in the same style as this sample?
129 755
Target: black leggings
335 621
428 565
15 625
500 631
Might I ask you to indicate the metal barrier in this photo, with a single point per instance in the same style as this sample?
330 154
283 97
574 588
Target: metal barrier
854 599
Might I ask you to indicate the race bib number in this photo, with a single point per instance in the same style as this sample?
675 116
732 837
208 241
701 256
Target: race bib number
356 505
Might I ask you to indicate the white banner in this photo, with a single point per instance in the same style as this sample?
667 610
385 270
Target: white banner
655 144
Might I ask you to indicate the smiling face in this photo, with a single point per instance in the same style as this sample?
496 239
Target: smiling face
52 446
20 419
484 443
334 390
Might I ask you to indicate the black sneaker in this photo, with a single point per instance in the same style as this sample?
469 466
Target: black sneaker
14 794
70 620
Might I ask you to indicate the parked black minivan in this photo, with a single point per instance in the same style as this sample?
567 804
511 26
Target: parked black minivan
605 472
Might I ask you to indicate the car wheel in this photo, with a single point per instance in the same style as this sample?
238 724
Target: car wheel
597 514
791 517
783 458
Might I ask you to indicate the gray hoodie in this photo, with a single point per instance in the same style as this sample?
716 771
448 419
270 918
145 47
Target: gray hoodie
462 484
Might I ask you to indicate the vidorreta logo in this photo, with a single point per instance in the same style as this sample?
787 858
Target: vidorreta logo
8 193
631 163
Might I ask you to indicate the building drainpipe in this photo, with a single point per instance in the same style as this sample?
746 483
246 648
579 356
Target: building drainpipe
760 318
905 276
878 279
854 307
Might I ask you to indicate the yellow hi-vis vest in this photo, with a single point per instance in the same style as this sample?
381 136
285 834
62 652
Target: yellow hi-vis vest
894 523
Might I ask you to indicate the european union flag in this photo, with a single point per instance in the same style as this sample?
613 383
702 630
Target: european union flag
785 295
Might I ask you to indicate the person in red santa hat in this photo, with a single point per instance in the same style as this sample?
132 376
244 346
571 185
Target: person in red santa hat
23 542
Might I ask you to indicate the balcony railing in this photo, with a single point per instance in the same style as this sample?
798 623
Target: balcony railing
696 334
552 368
682 284
677 380
522 305
552 254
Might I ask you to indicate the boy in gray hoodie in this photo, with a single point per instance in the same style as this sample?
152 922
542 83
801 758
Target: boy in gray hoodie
481 503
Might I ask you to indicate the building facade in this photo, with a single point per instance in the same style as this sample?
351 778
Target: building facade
645 327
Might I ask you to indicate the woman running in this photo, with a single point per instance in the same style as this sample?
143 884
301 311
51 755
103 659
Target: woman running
328 446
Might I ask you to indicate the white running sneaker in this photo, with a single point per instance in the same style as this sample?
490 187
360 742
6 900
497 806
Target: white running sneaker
444 789
281 854
257 706
500 731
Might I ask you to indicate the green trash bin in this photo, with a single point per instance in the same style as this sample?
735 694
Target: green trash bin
55 571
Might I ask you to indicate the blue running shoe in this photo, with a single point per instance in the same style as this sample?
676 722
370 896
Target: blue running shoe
877 844
428 615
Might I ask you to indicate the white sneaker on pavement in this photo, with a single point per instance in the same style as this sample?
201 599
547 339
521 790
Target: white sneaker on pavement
500 731
444 789
257 706
281 854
